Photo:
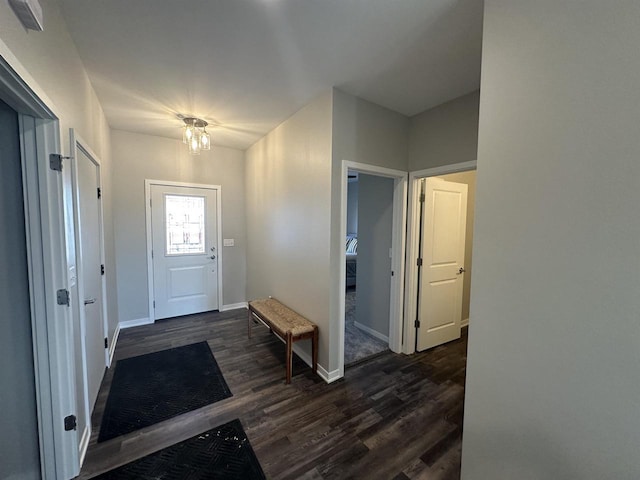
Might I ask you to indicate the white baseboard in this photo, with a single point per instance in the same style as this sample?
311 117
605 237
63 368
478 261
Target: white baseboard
372 332
327 376
464 323
136 322
233 306
112 343
84 443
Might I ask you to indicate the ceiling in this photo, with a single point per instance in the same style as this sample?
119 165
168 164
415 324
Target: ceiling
247 65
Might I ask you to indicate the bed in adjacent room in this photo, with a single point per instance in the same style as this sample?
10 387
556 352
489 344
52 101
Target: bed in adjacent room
352 259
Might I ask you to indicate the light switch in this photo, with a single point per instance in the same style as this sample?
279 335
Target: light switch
229 242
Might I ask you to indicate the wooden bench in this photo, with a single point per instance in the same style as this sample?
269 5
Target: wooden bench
286 324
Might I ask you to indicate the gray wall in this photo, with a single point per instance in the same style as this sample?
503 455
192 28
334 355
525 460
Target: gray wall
19 450
366 133
445 134
373 276
137 157
352 207
553 364
288 182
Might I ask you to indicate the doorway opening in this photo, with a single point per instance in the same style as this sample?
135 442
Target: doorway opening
371 291
439 257
368 263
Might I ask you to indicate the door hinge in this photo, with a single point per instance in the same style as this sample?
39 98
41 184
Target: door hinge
154 304
151 253
55 161
62 297
392 273
70 423
99 192
419 262
417 324
150 205
422 198
101 269
106 342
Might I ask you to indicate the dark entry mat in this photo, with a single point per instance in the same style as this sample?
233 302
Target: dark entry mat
154 387
222 453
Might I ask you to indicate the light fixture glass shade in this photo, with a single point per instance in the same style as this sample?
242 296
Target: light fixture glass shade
205 140
187 134
195 135
194 145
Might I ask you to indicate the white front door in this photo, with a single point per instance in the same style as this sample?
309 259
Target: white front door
184 250
89 252
442 251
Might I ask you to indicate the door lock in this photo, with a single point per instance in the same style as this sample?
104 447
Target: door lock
212 257
461 271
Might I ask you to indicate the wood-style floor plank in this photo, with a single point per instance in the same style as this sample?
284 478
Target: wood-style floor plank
392 417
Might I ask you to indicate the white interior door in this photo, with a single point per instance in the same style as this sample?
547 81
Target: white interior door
185 250
442 252
89 252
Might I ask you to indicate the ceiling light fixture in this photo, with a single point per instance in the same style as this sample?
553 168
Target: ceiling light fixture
195 135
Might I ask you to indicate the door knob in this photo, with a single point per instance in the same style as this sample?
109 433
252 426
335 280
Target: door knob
461 271
212 257
90 301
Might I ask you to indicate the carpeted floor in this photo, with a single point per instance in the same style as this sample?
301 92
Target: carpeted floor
357 343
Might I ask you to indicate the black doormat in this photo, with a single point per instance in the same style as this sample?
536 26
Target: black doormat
222 453
154 387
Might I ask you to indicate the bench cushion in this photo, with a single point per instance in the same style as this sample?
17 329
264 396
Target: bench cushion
282 317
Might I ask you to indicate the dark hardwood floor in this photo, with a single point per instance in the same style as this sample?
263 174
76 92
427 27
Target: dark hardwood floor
391 417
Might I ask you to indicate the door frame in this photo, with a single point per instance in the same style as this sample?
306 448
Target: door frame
396 297
77 143
51 323
147 195
413 239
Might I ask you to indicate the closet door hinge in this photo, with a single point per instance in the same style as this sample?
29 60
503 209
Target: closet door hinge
106 342
417 323
101 269
55 161
419 262
62 297
99 192
70 423
422 198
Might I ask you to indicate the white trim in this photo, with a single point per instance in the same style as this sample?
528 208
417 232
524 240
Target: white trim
147 196
396 300
234 306
136 322
113 342
412 243
77 144
323 373
445 169
84 443
372 332
464 323
52 334
25 95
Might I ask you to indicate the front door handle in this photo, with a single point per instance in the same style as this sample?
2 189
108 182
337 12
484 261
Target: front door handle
90 301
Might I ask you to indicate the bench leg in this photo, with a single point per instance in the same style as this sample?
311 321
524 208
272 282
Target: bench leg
314 349
249 324
289 356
